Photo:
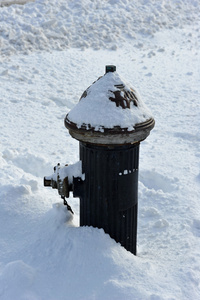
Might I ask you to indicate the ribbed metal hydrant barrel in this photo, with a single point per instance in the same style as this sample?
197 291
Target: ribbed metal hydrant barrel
109 122
109 198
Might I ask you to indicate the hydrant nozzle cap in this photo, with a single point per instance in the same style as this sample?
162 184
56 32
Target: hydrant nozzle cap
110 68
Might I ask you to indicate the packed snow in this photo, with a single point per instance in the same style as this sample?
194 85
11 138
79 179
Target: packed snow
50 53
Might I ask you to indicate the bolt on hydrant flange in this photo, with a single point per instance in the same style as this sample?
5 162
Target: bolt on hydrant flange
109 122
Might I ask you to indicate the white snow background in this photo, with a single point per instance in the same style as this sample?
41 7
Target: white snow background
51 51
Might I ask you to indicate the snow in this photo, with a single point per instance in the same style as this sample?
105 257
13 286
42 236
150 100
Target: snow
84 24
70 171
96 110
51 52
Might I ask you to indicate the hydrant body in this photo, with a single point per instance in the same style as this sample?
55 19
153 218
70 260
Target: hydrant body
109 122
109 197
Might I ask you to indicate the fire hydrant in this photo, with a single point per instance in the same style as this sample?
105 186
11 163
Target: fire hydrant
109 122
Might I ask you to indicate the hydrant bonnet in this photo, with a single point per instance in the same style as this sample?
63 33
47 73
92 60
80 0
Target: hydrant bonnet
110 111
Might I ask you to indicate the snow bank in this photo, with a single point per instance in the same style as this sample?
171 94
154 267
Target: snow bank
59 25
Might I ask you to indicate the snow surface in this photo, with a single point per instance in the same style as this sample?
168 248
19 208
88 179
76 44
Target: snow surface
100 24
44 254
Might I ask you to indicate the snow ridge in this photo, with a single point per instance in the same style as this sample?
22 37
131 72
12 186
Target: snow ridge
58 25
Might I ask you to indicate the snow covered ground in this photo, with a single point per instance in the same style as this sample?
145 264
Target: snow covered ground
50 53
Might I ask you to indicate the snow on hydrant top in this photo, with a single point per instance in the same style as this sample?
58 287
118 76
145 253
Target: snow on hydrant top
109 104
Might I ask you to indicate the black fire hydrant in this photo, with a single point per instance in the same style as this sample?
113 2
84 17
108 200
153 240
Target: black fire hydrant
109 122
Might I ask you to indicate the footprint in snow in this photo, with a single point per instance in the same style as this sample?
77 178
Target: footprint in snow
157 181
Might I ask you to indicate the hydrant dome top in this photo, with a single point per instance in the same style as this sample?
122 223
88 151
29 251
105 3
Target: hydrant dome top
110 111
